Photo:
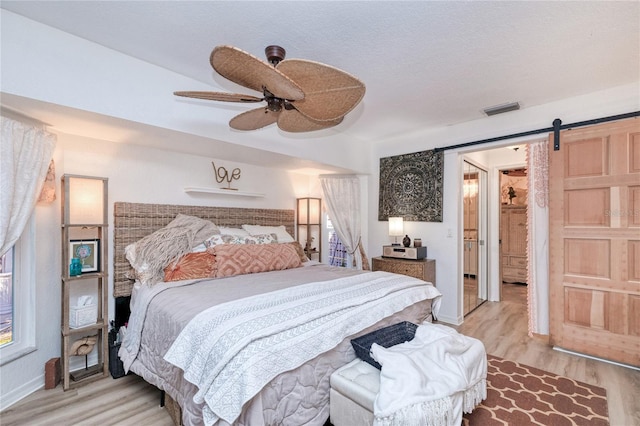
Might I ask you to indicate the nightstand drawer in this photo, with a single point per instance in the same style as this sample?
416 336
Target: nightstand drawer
416 271
423 269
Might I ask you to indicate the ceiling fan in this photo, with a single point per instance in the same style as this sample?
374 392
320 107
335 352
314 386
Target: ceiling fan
301 95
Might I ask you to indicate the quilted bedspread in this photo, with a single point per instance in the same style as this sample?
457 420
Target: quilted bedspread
230 352
286 384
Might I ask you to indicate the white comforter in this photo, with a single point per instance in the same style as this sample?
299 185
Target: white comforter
430 380
232 350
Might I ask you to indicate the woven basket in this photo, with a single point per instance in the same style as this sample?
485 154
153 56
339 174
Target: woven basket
385 337
116 367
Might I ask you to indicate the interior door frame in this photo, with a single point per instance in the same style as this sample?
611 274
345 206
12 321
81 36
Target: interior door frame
483 234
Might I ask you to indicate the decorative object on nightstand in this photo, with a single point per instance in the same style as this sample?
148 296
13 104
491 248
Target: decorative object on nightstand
309 226
84 325
406 241
424 269
396 228
398 252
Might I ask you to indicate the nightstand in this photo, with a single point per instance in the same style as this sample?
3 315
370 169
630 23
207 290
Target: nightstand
424 269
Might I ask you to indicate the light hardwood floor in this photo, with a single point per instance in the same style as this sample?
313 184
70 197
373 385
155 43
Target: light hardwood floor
502 327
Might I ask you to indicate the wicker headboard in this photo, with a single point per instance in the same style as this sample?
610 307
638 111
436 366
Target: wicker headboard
133 221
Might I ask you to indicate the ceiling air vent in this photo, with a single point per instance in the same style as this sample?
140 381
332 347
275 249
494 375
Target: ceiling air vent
499 109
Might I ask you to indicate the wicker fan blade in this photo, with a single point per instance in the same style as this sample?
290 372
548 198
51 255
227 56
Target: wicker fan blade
248 71
219 96
329 93
293 121
254 119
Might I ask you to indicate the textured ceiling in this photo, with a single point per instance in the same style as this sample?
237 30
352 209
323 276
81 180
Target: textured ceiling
425 64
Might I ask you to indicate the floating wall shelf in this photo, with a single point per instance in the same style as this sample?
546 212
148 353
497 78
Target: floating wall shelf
220 191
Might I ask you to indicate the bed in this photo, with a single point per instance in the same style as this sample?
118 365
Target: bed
250 348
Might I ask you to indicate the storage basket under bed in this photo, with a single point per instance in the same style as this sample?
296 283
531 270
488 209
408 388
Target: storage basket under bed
116 367
385 337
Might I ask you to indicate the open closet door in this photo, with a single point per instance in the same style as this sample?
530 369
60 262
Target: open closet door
594 242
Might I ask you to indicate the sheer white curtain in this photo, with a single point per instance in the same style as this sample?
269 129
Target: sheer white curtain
538 237
341 196
25 154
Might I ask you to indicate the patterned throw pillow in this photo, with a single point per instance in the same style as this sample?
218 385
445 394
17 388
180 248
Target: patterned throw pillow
215 240
191 266
239 259
237 239
282 236
259 239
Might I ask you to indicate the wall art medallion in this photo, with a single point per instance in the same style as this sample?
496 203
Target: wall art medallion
411 186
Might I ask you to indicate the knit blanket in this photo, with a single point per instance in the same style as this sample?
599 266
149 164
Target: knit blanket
430 380
232 350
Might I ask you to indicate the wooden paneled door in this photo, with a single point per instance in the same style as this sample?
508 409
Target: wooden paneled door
594 242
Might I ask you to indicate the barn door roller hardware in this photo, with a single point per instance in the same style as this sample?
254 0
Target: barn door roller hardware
557 126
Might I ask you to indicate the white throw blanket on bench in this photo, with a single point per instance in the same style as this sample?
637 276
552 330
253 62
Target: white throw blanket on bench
421 379
232 350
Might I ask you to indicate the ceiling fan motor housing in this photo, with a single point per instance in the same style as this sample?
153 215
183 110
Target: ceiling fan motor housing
274 54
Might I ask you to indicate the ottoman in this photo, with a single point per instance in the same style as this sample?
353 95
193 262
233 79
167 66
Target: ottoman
353 389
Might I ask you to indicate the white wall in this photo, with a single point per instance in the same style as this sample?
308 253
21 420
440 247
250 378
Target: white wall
136 174
443 240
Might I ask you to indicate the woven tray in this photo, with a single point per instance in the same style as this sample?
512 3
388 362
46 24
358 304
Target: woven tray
385 337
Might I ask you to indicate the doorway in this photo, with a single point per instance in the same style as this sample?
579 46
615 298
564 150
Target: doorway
474 236
513 229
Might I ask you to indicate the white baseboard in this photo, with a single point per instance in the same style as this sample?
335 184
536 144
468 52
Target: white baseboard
449 320
9 398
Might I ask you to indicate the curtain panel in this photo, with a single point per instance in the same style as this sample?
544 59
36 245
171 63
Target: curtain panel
538 237
341 196
25 155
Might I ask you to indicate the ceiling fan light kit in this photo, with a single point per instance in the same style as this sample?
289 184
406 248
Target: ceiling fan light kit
301 95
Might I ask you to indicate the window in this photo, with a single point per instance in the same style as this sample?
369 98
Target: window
337 253
17 298
6 298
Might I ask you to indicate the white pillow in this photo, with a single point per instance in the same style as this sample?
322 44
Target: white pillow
234 231
280 231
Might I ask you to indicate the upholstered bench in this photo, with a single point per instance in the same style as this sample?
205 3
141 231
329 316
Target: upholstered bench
353 389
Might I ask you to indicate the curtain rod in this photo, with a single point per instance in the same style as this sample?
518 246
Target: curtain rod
557 126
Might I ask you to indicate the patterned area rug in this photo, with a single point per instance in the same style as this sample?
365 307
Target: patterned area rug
521 395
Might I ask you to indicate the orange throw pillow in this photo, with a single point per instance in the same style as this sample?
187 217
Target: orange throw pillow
239 259
191 266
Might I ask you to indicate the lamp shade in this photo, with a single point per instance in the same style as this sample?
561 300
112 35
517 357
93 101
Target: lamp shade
86 200
396 226
309 211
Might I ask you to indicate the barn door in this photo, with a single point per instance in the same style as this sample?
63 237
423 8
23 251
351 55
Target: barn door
594 242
